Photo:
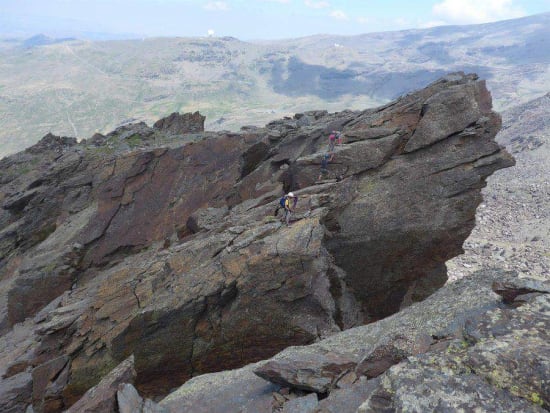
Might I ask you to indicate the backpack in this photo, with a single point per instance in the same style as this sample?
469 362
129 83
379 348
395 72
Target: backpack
332 137
280 205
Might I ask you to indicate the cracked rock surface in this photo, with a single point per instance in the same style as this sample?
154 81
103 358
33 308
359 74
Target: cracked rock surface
165 247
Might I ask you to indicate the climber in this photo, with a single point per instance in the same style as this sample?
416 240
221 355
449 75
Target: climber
290 198
327 157
334 137
284 203
331 141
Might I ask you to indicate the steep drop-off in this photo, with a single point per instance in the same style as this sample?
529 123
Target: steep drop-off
160 243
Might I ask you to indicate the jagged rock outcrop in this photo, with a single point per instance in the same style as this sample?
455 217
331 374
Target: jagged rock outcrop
179 124
469 350
170 252
50 142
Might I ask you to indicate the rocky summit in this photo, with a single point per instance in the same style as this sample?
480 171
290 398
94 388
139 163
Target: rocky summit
131 264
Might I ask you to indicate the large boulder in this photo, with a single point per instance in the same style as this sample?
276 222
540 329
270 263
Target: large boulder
233 390
173 254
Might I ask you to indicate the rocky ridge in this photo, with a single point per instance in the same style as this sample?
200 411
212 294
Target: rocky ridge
159 245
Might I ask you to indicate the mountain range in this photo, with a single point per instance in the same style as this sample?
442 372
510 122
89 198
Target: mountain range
76 87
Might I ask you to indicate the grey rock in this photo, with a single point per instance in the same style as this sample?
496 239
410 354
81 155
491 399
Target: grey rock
16 393
226 392
502 367
304 404
349 399
452 110
138 130
422 385
97 139
372 347
51 142
129 401
511 290
48 380
206 219
358 134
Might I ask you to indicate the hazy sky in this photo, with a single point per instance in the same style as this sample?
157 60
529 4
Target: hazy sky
251 19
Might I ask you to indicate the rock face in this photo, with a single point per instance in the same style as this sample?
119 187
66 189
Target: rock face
470 347
513 222
170 252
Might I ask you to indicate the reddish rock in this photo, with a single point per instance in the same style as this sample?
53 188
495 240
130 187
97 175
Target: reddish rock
312 372
178 124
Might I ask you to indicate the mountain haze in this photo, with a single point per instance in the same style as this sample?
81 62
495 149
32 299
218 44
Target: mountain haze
75 88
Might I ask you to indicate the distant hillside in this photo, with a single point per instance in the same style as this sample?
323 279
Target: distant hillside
76 88
43 40
527 125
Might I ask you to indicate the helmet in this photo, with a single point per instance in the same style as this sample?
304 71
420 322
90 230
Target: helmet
290 194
